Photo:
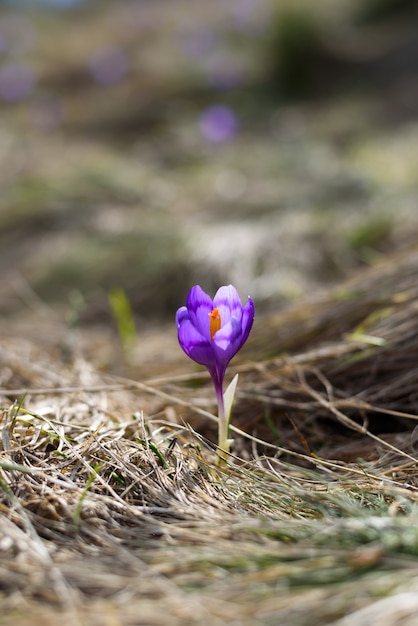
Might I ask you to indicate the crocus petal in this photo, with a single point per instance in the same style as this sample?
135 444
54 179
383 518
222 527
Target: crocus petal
182 315
228 302
247 320
227 342
199 305
195 345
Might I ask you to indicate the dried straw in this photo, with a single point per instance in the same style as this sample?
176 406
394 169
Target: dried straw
109 516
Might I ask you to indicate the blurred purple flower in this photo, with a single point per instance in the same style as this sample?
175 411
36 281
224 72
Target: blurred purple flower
17 81
218 123
108 65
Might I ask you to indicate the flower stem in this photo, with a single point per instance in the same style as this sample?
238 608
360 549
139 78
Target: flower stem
223 427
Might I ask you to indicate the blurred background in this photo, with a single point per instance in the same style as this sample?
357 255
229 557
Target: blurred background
148 145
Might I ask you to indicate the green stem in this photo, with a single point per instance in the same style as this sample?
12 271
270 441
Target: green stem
223 428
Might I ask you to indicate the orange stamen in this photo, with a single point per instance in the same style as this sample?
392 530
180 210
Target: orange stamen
215 322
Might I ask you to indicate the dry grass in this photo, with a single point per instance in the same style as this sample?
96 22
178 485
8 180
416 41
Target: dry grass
111 517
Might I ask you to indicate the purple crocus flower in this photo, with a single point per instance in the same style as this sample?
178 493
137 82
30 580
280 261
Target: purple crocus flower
211 332
218 123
